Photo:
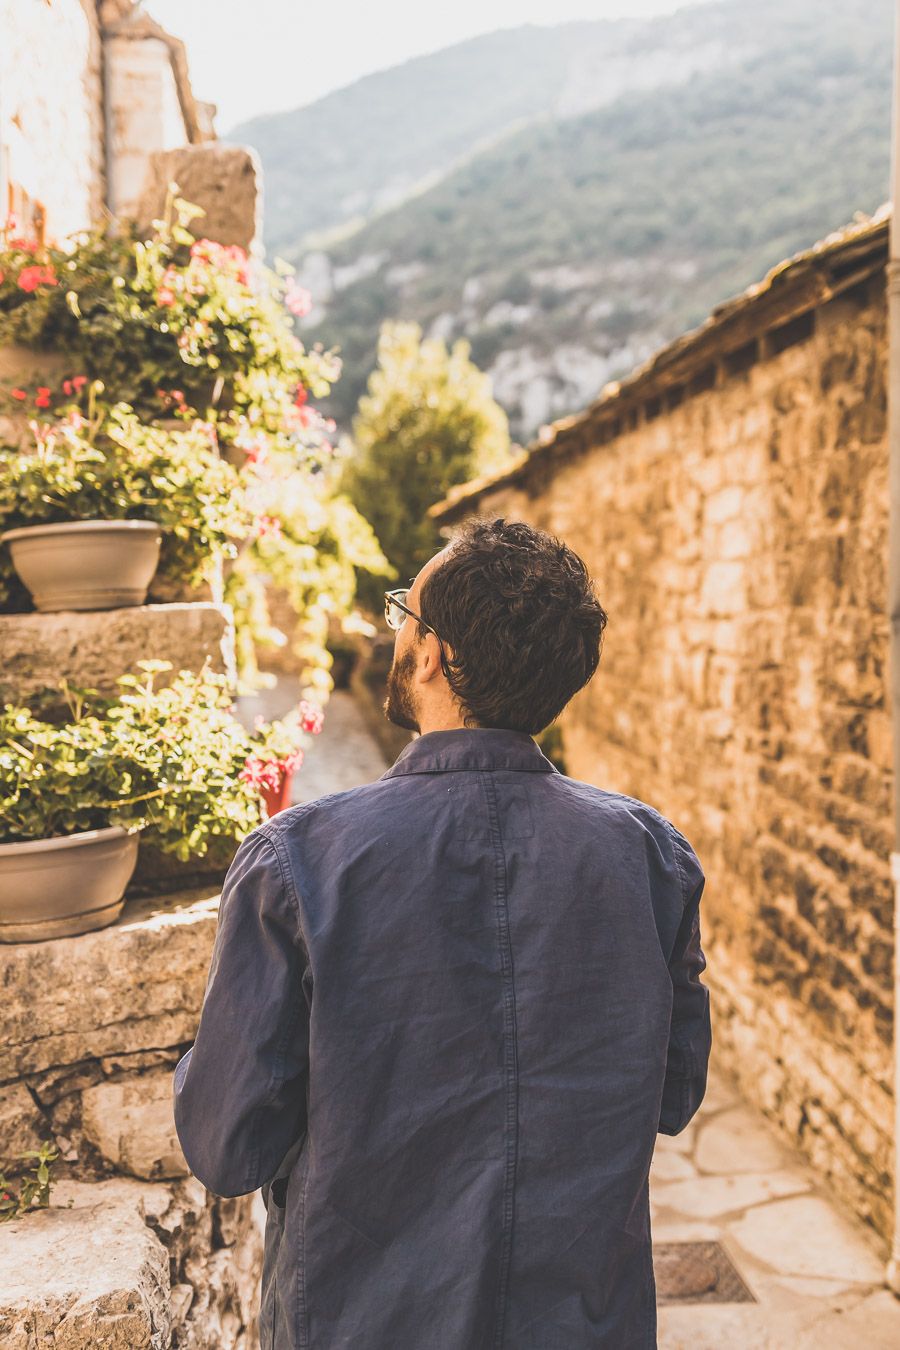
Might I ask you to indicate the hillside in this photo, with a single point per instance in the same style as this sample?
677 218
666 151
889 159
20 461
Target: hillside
371 145
571 247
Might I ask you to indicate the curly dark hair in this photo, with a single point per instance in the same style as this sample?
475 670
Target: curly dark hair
518 610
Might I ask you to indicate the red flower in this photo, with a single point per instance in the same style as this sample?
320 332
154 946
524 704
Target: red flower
1 278
43 397
19 394
78 382
67 387
32 277
311 716
300 396
256 453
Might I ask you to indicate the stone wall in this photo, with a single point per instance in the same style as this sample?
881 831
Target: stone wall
738 538
89 91
91 1029
51 110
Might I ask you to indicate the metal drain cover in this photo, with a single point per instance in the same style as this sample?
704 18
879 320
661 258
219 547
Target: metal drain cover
697 1272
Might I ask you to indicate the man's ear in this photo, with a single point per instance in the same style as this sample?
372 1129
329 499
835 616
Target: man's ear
430 663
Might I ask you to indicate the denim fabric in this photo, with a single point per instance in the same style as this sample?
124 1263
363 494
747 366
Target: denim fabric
447 1014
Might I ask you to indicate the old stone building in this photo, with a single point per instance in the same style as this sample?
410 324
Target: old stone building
89 91
731 501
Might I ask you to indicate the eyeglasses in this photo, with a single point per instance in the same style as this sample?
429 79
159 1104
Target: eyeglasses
395 612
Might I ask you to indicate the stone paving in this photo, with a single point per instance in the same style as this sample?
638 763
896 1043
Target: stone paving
816 1274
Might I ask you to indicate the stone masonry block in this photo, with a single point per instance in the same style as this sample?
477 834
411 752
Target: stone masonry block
224 179
93 1275
126 1265
22 1124
132 1124
93 649
136 985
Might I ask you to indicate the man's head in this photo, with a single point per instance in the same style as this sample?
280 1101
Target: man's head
520 626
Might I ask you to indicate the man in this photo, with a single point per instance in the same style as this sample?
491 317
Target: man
448 1011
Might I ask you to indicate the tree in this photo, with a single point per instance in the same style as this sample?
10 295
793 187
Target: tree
427 423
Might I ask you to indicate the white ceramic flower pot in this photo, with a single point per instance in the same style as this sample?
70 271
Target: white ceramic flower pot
52 888
86 564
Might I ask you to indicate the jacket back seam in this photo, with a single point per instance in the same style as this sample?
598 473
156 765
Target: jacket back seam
510 1053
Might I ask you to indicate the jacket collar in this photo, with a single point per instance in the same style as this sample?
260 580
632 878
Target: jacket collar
480 748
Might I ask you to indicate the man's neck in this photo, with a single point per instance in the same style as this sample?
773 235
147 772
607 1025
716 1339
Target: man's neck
443 722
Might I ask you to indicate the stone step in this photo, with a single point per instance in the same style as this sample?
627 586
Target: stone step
120 1264
91 1028
137 985
92 649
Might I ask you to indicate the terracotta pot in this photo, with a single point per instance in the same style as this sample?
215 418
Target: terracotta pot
52 888
86 564
278 798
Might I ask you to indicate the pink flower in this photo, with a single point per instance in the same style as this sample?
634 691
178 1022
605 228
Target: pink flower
258 773
78 382
298 300
301 394
67 387
237 256
312 718
165 297
267 773
32 277
207 429
268 527
19 394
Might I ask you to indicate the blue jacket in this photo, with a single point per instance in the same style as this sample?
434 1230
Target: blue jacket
447 1014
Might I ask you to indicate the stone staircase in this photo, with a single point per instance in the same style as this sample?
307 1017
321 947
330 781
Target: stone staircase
133 1252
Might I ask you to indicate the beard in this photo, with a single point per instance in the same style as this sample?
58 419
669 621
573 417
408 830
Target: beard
399 706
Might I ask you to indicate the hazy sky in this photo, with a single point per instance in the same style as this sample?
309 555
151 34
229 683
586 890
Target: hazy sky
260 56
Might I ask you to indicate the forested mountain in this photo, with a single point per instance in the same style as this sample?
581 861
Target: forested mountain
594 188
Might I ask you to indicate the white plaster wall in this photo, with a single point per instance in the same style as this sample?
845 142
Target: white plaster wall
51 123
144 114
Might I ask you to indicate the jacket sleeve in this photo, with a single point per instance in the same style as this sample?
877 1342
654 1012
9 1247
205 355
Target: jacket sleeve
690 1036
240 1092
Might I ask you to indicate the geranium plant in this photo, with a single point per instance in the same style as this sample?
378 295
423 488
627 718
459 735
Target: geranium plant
177 324
173 761
104 463
278 751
